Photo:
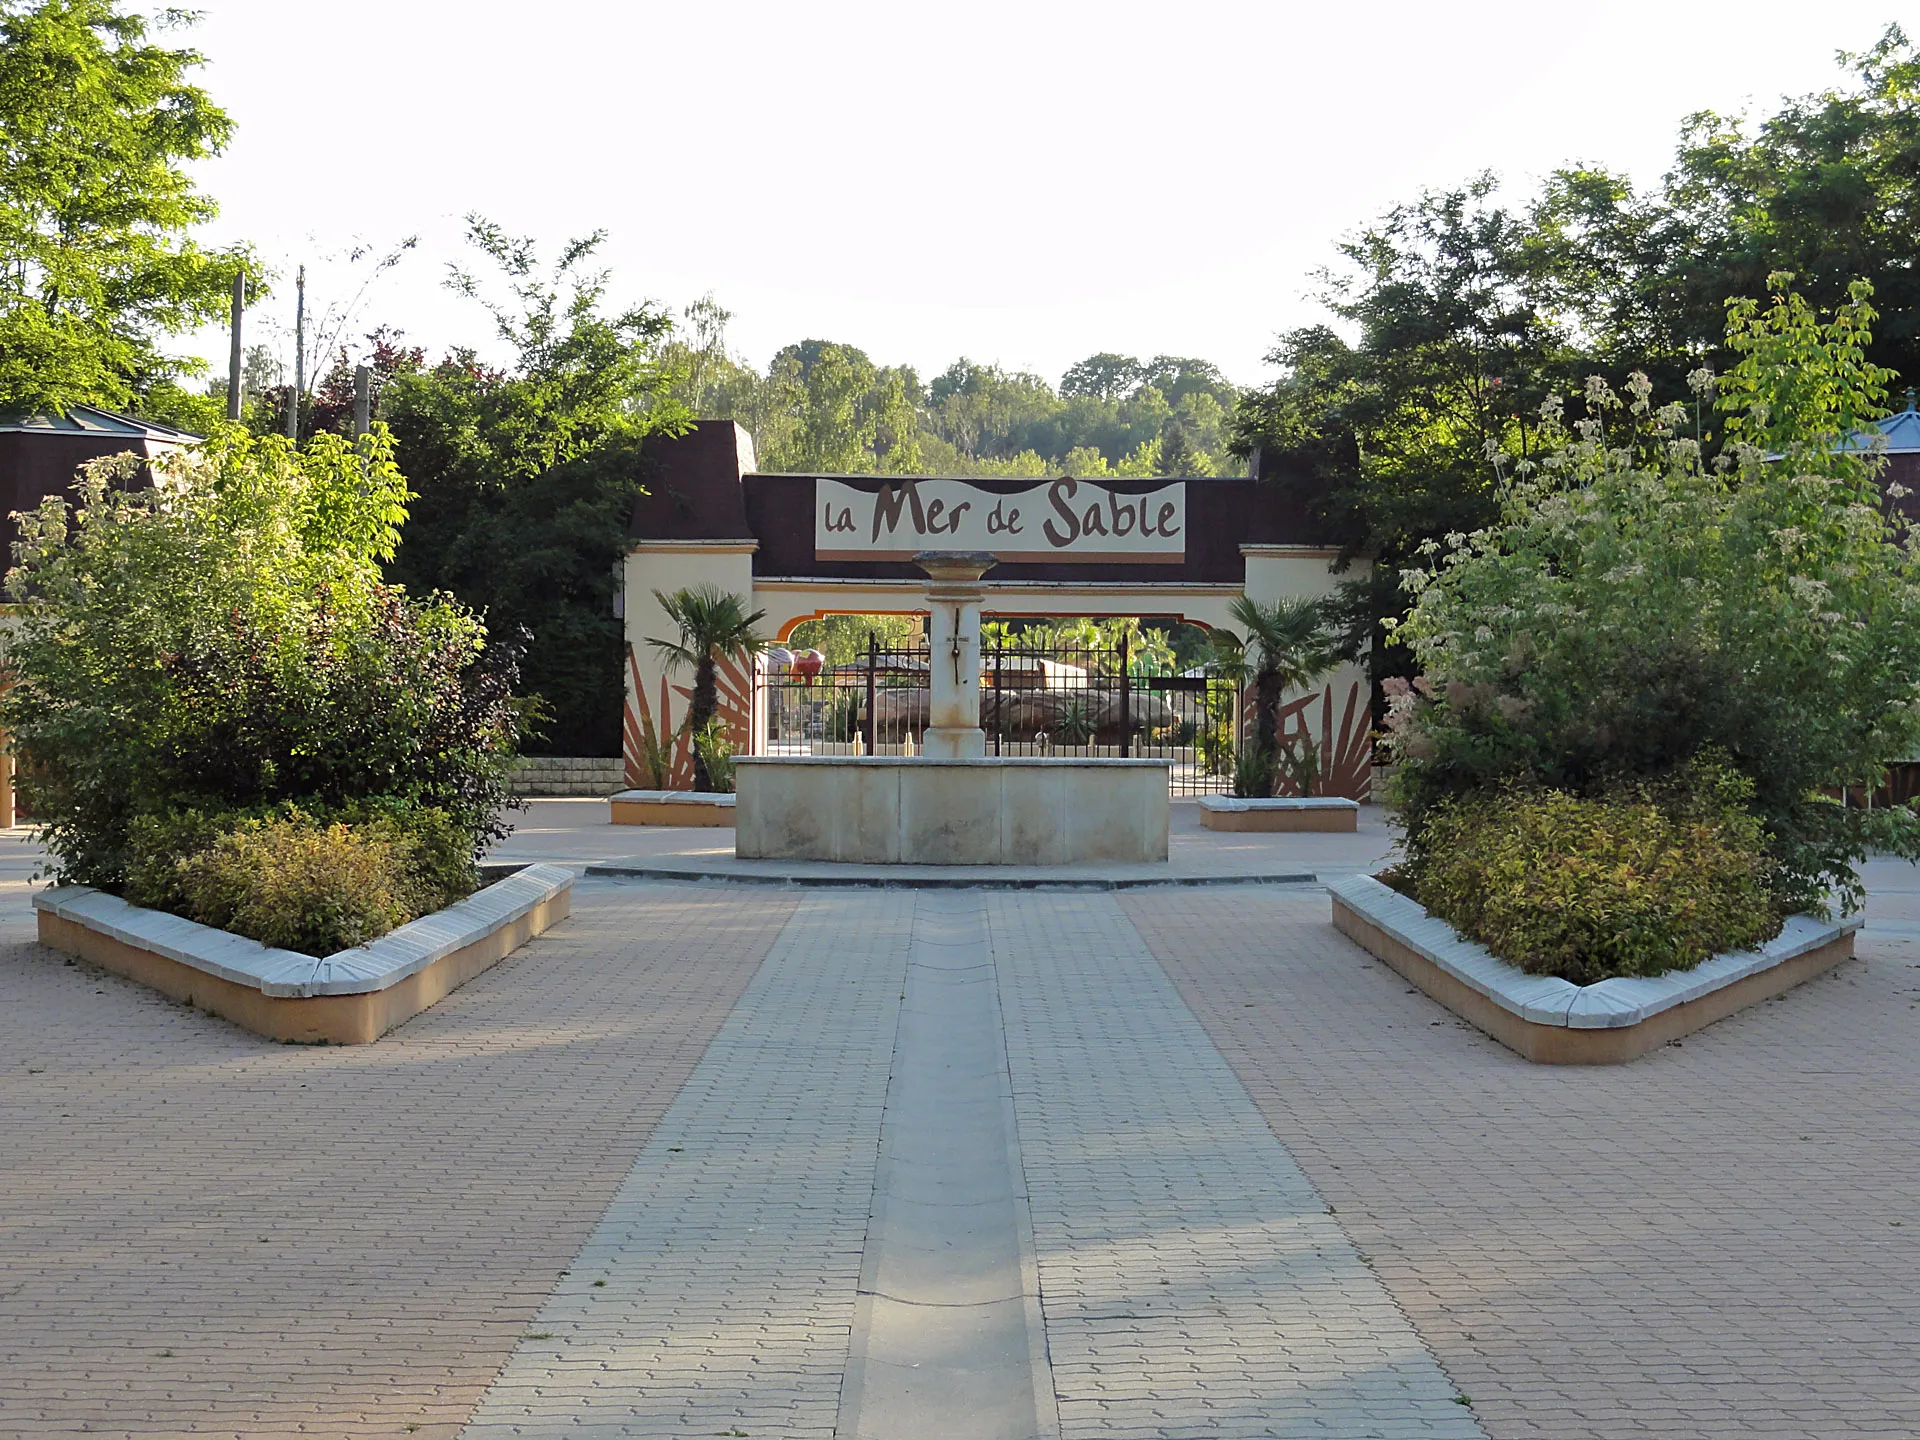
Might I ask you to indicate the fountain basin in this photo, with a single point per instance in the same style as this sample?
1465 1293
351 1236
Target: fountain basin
910 810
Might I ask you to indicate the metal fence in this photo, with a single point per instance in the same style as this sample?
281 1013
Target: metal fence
1073 701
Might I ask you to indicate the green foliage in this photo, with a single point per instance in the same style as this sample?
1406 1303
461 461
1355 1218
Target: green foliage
1292 645
223 642
527 476
1636 608
713 755
97 128
1463 312
1639 881
1254 773
827 408
1075 726
1826 187
303 884
843 638
713 625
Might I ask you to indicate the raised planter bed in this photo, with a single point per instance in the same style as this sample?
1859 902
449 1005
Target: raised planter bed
352 997
671 807
1551 1021
1314 812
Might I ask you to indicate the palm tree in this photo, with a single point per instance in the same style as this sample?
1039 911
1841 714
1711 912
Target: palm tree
1293 644
714 625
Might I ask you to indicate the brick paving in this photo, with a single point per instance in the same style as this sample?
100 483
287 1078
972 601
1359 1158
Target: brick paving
1193 1283
717 1293
1721 1239
206 1233
202 1233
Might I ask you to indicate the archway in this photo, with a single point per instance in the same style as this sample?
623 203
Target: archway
805 546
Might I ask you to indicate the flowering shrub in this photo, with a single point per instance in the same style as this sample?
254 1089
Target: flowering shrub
221 646
1636 608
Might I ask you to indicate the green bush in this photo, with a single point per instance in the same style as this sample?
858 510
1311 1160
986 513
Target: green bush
1253 771
1642 881
315 886
1638 606
222 646
710 743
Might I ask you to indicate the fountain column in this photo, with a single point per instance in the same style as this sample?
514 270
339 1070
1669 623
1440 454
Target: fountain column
954 593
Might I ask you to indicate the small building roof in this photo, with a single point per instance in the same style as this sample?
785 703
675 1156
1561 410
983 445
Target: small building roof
1902 432
91 420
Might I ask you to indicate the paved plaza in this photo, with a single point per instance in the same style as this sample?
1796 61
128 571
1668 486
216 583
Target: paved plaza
733 1159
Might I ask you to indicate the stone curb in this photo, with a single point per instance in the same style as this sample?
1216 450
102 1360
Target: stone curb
1238 805
705 798
790 880
1552 1021
1549 1000
378 965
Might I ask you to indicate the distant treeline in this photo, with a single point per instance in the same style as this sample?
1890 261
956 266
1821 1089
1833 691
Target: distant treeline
828 407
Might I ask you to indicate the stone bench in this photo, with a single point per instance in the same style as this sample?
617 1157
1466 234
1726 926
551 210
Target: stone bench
352 997
671 807
1313 812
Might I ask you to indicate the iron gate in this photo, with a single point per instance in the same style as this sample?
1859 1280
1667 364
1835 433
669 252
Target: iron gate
1053 700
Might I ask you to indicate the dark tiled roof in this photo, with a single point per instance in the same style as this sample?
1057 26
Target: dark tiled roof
90 420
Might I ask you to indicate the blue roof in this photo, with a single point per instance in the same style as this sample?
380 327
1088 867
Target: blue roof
1902 432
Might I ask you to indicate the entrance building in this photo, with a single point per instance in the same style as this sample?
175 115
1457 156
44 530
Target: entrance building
800 547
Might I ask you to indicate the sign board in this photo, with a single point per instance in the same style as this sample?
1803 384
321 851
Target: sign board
1064 520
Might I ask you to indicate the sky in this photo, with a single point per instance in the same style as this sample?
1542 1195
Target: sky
1019 183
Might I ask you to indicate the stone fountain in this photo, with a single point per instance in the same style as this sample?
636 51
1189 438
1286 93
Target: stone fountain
953 804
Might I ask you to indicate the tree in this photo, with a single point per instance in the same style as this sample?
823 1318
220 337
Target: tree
1827 189
1290 642
1105 376
825 407
1178 455
1384 440
526 476
97 263
332 401
714 625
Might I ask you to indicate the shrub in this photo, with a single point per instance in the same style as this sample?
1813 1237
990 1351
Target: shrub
1636 608
307 885
1638 882
710 743
261 875
222 645
1253 770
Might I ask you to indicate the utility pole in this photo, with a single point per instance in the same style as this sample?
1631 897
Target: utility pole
362 400
235 353
299 354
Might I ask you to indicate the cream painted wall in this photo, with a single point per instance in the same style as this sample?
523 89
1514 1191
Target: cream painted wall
1272 572
667 566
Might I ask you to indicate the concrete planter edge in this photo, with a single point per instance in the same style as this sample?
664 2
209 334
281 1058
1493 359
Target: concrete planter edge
706 808
1552 1021
350 997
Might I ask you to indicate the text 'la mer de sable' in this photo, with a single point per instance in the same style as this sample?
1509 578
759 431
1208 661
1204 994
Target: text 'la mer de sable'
1065 519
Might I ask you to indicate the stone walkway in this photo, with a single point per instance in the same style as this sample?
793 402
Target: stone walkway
1167 1271
952 1164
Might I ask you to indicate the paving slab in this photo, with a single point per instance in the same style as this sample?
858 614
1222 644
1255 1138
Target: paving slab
1719 1242
720 1286
1193 1280
949 1339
